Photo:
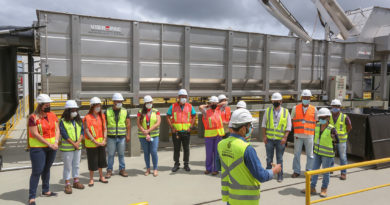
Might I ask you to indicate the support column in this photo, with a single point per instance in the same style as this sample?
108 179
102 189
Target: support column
298 65
229 65
135 83
75 59
384 83
186 59
265 67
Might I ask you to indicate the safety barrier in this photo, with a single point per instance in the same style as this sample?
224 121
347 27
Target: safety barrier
308 175
7 128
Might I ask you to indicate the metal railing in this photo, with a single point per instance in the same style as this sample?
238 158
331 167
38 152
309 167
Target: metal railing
308 175
7 128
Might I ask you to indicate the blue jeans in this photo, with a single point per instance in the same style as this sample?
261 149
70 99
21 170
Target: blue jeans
270 148
41 161
150 148
116 145
326 162
298 143
342 149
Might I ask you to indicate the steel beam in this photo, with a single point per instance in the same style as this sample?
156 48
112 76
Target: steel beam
326 67
384 83
298 65
229 65
75 86
135 82
186 59
265 67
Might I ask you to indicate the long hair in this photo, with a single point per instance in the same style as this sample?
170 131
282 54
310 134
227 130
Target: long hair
38 110
66 116
144 112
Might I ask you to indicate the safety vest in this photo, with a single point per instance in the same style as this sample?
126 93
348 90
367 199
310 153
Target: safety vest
323 145
73 133
304 123
212 122
96 128
46 128
225 114
238 184
181 119
341 127
152 121
278 132
116 128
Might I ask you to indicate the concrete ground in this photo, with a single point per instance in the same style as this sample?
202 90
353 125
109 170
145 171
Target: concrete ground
178 188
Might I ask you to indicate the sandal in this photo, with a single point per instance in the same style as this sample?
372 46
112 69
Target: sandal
50 194
104 182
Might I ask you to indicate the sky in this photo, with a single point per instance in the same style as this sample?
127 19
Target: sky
241 15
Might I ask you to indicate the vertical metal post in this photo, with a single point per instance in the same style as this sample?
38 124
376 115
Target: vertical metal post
186 59
161 56
75 58
30 83
265 67
308 190
350 81
326 66
384 83
229 65
298 65
135 69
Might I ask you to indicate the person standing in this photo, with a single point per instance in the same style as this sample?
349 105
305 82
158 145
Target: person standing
343 125
276 127
95 140
225 113
118 133
72 132
304 118
181 117
242 172
213 132
324 140
43 136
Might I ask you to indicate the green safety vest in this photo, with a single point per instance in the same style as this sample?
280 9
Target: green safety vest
70 130
323 145
278 132
341 127
116 128
238 184
152 121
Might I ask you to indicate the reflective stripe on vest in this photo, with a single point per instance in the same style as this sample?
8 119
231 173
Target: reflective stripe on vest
213 125
225 113
46 128
271 131
341 127
238 184
323 145
116 128
181 119
304 123
96 128
70 130
152 121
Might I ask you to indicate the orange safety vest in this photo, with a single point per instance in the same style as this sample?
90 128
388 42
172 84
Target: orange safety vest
181 118
225 114
212 122
46 128
96 128
304 123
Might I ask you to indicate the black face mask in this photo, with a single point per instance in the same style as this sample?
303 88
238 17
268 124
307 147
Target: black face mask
213 107
276 104
47 109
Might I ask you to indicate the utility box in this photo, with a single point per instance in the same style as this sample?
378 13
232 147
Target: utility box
338 86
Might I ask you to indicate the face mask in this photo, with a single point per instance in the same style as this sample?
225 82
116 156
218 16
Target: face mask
97 109
183 100
305 102
73 114
335 110
322 121
118 105
249 133
149 105
47 109
276 104
213 106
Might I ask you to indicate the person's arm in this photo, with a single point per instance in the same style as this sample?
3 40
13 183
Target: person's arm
264 127
168 117
288 129
316 114
293 112
334 135
89 135
348 123
65 136
81 135
193 117
128 127
253 163
105 132
202 108
157 123
57 134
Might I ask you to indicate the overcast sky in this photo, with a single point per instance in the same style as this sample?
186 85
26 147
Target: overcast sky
243 15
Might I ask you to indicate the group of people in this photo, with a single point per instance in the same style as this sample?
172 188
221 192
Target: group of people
227 141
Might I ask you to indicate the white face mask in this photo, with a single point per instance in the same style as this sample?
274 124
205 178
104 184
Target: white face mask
73 114
149 105
97 109
183 100
118 105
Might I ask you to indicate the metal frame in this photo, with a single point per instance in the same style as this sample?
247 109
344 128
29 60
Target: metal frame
135 86
265 67
186 59
229 65
298 65
75 58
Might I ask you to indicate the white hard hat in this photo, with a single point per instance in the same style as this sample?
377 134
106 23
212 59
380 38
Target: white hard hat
95 100
306 93
240 117
148 98
71 104
222 97
43 98
241 104
117 97
336 102
213 99
324 112
182 92
276 96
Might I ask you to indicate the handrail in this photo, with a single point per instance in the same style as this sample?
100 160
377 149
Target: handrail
308 175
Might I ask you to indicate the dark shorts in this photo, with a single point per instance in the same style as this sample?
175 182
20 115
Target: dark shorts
96 158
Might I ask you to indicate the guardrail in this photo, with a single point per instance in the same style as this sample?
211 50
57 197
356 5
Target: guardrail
308 175
9 126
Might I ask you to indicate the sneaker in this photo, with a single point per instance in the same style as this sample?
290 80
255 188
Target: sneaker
123 173
312 191
215 173
187 168
207 172
295 175
175 168
68 189
108 174
78 185
343 177
280 178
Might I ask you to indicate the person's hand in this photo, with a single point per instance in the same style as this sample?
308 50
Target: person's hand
53 146
276 168
76 145
148 138
127 138
145 132
173 130
283 141
189 130
265 139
